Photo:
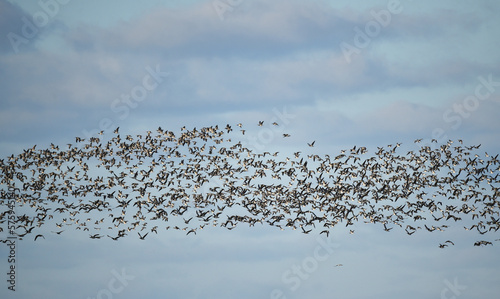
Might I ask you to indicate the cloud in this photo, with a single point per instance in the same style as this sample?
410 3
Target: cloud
21 32
256 29
11 22
401 117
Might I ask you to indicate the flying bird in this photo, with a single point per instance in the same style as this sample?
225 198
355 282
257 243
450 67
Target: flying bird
125 183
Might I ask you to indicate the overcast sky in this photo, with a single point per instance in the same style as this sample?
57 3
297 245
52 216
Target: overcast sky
368 73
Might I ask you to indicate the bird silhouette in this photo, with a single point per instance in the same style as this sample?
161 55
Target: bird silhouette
204 177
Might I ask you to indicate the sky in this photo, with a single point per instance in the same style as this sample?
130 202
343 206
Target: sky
343 73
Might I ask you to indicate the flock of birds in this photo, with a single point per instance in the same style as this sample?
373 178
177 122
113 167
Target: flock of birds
142 184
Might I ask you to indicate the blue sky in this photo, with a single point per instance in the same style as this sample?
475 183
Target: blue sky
415 77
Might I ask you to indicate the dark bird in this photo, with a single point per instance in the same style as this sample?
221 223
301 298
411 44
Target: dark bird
127 184
142 237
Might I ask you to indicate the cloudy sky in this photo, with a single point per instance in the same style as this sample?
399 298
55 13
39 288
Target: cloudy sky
366 73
